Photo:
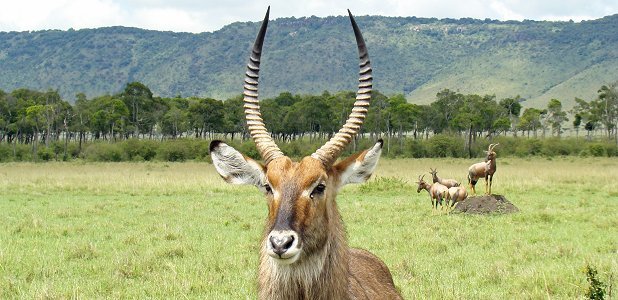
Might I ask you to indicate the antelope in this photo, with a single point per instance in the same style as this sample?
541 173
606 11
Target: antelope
456 194
449 183
304 251
436 191
484 169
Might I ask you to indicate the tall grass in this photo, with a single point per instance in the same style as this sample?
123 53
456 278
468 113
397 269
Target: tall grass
175 230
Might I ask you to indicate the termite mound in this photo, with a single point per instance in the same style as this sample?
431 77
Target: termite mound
486 204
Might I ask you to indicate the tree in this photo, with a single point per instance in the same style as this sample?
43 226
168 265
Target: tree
234 117
35 115
576 123
606 106
513 108
83 115
556 116
175 121
109 116
585 111
530 120
138 99
446 108
205 116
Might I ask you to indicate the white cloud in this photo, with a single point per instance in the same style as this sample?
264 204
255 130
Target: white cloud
168 19
209 15
503 12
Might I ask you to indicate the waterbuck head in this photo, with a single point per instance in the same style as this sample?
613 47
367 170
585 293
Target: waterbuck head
302 213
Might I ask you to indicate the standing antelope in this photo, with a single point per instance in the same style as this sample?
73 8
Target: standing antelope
449 183
436 191
484 169
304 252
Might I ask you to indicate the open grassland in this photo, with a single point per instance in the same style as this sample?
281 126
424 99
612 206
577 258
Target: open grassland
175 230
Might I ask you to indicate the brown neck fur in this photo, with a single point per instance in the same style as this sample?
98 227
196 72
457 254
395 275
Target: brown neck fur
492 165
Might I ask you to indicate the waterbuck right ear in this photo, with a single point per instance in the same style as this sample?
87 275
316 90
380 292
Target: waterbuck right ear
234 167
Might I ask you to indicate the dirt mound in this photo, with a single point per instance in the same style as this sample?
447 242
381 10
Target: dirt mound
486 204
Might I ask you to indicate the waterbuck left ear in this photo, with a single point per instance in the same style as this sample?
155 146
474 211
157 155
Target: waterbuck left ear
234 167
359 167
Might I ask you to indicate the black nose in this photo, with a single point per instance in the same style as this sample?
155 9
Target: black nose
281 244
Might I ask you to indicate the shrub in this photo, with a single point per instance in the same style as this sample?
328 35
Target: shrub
414 148
6 152
104 152
596 288
382 184
179 149
528 147
611 150
596 150
442 145
250 150
140 150
45 153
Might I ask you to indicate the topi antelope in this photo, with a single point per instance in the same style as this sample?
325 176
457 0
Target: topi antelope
484 169
436 191
449 183
456 194
304 252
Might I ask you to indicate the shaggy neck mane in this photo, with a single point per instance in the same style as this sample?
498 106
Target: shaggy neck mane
319 275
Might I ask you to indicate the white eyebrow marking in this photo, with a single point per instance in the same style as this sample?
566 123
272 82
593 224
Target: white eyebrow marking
307 192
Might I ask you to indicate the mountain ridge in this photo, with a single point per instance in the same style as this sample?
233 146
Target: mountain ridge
417 57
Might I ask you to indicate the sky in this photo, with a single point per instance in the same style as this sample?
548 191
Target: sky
209 15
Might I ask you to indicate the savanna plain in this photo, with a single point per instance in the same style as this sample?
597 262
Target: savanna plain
175 230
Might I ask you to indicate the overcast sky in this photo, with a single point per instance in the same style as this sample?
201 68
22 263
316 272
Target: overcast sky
209 15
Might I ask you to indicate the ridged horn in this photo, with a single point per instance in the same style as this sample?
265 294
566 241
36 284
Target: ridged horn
333 148
263 140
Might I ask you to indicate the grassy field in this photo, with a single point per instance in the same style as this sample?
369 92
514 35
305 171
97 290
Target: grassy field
175 230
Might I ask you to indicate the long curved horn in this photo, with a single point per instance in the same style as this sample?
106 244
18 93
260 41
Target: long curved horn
333 148
263 141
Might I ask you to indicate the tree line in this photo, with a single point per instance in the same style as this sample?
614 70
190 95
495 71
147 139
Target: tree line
35 118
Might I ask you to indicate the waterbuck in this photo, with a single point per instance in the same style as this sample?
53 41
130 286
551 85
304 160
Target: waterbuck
304 252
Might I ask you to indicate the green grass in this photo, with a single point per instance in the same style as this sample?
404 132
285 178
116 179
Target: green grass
176 230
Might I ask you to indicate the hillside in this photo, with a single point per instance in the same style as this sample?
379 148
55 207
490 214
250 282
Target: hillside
537 60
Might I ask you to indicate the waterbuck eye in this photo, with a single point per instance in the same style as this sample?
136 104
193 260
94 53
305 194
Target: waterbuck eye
268 188
318 190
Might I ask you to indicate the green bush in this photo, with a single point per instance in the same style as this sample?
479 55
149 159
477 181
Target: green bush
555 146
414 148
442 145
611 150
104 152
6 152
140 150
182 149
596 149
249 149
381 184
527 147
23 152
596 288
45 153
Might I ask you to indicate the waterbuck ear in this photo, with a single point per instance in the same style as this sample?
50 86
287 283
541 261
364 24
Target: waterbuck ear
234 167
359 167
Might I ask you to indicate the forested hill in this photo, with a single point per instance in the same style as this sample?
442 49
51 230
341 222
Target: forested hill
537 60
